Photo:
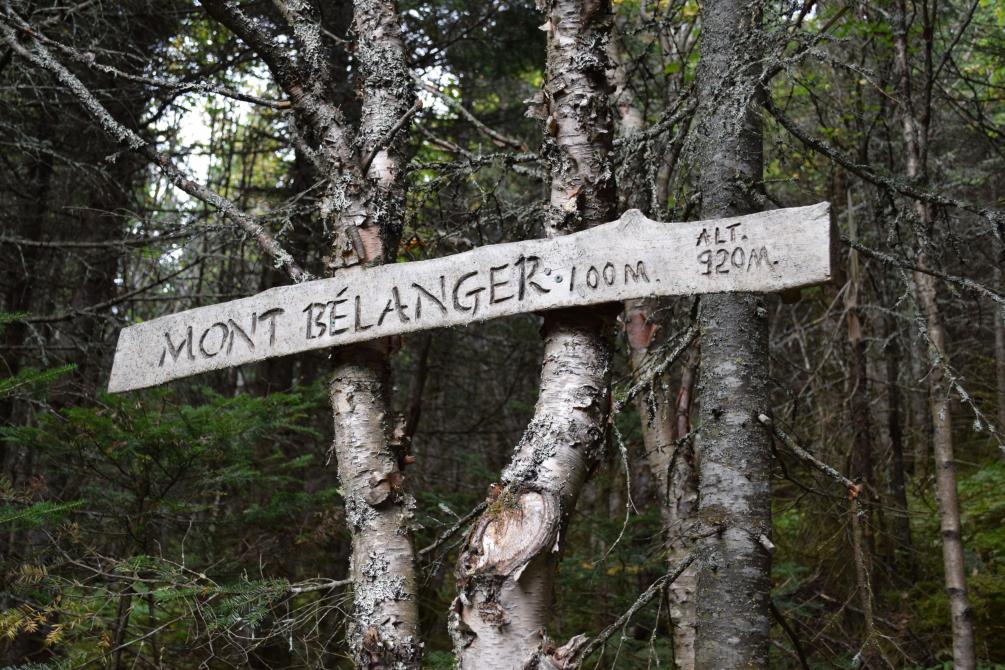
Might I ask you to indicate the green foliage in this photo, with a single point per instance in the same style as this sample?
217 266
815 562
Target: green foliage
31 379
983 518
37 514
28 380
150 468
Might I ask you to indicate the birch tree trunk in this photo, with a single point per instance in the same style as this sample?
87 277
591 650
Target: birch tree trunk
915 124
733 601
506 570
367 202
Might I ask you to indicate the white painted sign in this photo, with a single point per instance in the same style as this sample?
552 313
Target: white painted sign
632 257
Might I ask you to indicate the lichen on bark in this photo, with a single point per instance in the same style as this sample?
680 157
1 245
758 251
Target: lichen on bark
364 209
734 457
506 571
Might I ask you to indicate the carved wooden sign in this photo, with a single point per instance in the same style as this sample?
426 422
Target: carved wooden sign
632 257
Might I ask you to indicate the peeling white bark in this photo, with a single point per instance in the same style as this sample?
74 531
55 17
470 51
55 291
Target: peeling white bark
507 569
384 624
506 572
367 212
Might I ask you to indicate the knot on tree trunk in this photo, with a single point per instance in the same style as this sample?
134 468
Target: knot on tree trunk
514 528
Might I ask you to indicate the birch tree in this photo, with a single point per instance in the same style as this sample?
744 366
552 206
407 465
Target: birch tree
506 570
363 207
194 525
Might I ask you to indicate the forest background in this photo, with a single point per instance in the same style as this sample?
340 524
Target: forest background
201 524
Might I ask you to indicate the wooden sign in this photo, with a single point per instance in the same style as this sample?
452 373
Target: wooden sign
632 257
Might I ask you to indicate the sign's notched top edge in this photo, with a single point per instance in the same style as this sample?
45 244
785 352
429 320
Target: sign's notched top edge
126 377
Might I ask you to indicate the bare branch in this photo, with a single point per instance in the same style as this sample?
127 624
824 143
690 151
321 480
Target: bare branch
77 244
963 282
581 653
659 368
807 457
306 90
676 115
384 141
495 135
450 532
94 309
283 67
178 85
43 58
995 216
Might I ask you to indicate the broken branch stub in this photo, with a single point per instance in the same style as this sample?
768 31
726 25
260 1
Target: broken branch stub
632 257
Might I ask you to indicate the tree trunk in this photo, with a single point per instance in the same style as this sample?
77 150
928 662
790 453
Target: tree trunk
507 568
945 476
999 324
369 209
903 549
915 128
683 505
384 622
861 466
921 422
733 600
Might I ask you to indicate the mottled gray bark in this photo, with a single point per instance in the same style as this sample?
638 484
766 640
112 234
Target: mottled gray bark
734 583
915 125
921 424
366 205
999 326
506 571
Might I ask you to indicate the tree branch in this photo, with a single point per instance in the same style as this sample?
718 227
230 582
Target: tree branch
807 457
995 216
269 49
386 139
94 309
963 282
684 342
450 532
43 58
306 90
173 84
495 135
581 653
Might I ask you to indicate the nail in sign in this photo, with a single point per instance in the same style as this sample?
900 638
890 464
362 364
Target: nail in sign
632 257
